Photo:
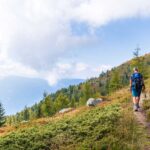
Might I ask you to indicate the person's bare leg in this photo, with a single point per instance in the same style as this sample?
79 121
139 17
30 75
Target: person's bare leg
134 100
135 103
138 101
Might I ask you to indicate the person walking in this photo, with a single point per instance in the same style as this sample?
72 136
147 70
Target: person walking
136 87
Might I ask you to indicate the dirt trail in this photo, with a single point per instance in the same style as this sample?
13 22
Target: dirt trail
141 118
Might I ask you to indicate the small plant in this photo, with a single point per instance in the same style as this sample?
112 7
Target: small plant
148 115
146 104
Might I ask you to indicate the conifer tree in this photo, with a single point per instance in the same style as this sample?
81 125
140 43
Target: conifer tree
26 113
114 81
61 102
47 107
2 113
139 62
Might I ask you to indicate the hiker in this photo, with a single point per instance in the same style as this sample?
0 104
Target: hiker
136 87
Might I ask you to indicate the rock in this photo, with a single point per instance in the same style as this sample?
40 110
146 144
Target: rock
64 110
99 100
24 121
90 102
93 102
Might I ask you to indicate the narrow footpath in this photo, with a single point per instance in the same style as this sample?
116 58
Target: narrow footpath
141 118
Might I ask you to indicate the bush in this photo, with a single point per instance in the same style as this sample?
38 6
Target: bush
100 128
146 104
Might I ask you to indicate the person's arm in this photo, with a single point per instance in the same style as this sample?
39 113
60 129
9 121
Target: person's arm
130 83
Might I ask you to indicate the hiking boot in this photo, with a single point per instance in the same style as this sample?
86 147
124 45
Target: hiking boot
138 106
135 108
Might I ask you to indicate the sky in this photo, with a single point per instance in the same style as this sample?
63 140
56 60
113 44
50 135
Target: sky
47 41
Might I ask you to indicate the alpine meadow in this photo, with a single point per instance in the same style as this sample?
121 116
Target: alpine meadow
109 125
74 75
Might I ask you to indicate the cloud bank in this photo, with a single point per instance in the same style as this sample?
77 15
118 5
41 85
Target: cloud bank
36 35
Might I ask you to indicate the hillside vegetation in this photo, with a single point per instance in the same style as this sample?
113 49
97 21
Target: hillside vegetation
109 126
75 96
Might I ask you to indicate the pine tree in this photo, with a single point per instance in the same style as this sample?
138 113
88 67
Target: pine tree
114 81
136 52
47 107
139 62
2 113
72 103
87 91
26 113
61 102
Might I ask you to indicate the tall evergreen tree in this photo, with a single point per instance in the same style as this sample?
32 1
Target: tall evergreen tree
47 107
136 52
2 113
139 62
61 102
114 81
26 113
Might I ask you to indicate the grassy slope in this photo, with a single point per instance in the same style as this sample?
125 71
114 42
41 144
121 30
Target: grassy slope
110 125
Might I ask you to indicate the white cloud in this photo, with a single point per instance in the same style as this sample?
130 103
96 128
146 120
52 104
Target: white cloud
73 70
81 67
99 12
11 68
34 35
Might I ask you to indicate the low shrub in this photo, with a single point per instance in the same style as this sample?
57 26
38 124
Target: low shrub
100 128
146 104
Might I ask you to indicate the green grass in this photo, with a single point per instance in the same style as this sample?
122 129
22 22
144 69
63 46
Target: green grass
100 128
146 103
146 107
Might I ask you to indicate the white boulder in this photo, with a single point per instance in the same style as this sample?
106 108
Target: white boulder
93 102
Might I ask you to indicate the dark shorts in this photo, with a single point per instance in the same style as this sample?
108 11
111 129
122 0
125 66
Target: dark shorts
136 93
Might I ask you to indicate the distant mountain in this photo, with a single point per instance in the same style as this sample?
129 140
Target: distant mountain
65 83
16 92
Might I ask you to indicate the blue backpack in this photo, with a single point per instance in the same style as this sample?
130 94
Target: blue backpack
137 81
